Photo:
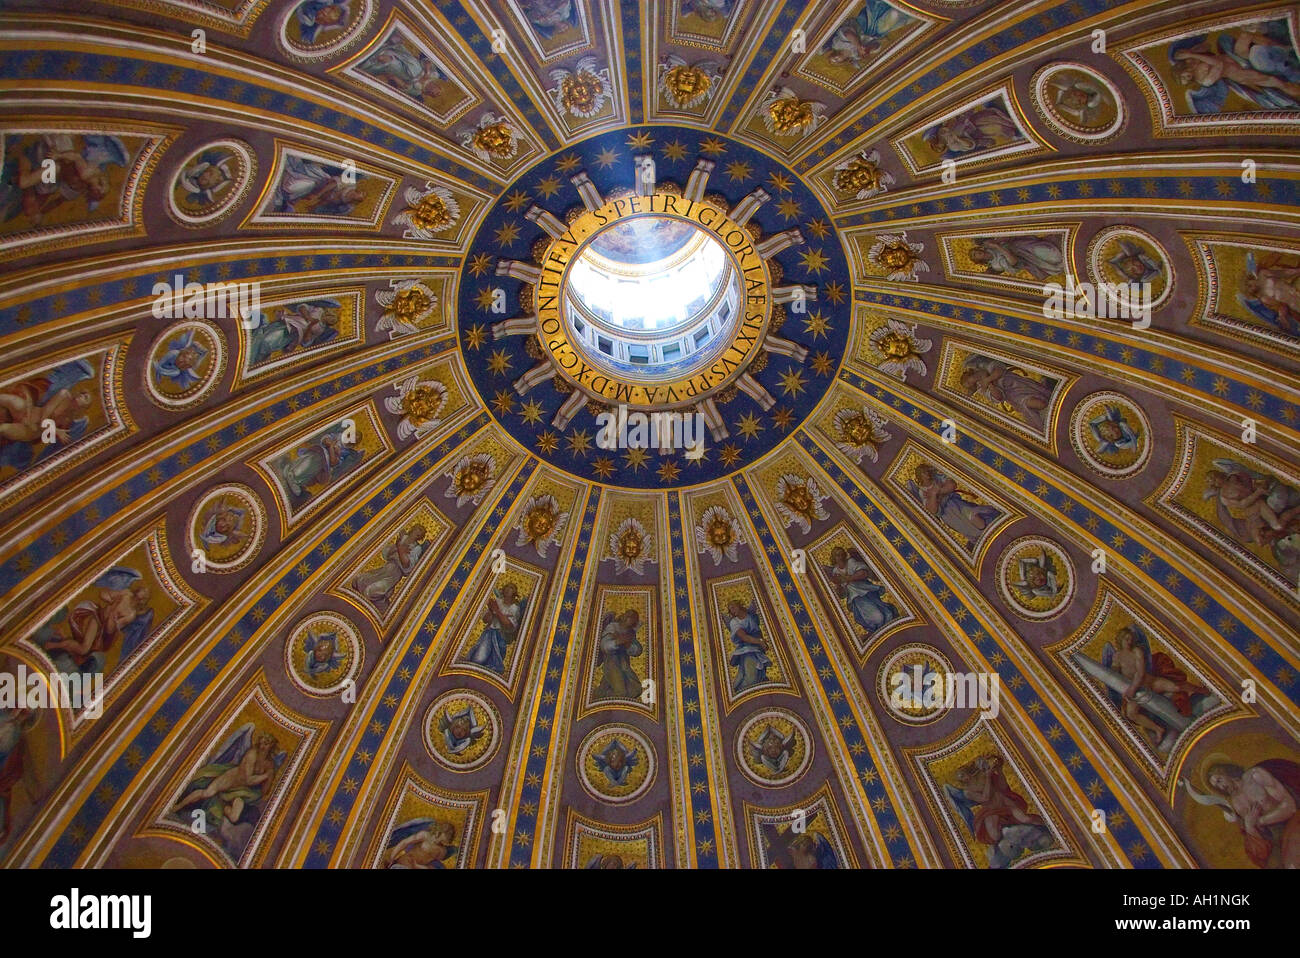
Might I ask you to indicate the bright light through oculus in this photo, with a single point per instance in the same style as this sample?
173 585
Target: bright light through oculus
660 295
652 293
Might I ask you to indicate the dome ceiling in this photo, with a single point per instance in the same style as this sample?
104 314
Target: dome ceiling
378 559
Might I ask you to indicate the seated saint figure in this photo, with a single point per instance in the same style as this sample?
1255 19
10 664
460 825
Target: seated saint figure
749 653
618 646
502 614
856 585
400 557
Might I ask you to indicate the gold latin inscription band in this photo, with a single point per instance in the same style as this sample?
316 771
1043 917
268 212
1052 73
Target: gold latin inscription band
568 355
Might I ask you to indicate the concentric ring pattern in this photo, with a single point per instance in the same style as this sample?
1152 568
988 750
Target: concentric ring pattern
981 549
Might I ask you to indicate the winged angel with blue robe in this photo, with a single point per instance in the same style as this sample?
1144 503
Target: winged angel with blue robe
502 614
117 615
82 162
421 843
789 849
318 462
1272 291
1112 432
310 187
183 355
316 18
231 786
860 37
749 649
1258 65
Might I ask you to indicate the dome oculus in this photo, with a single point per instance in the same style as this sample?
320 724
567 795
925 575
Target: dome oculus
652 301
719 297
652 296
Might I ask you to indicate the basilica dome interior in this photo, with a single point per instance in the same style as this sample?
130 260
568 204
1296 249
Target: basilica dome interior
660 434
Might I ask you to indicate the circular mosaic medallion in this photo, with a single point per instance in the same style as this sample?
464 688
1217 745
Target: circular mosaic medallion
186 361
210 182
1110 433
1078 102
1123 255
905 677
462 730
314 29
656 271
226 528
773 748
616 764
1036 578
322 653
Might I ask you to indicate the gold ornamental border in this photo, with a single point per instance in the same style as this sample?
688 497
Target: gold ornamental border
569 358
